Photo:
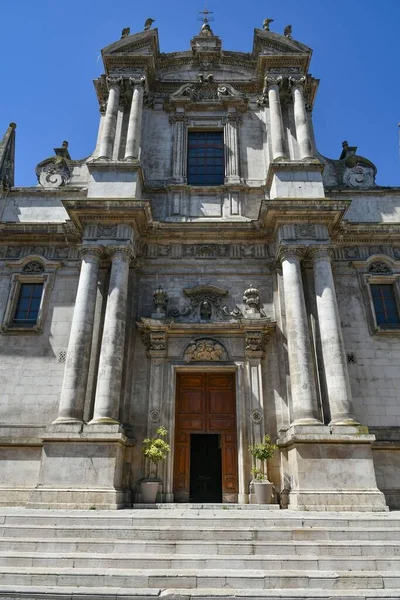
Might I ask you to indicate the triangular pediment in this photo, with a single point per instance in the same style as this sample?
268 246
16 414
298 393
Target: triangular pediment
270 43
142 43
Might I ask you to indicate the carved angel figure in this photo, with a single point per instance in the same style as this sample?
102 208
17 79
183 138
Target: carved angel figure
266 24
148 23
287 32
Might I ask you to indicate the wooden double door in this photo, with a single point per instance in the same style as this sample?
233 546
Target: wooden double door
205 466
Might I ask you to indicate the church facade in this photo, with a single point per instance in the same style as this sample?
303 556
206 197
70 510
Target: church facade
208 271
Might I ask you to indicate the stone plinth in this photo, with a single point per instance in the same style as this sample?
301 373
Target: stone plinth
116 179
331 470
290 179
82 467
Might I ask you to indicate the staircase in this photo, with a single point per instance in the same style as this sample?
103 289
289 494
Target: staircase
199 552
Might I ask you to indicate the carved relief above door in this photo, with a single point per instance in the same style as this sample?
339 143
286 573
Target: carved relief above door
205 404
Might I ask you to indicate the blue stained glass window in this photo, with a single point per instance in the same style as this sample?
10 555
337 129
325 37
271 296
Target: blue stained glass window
385 305
206 164
26 313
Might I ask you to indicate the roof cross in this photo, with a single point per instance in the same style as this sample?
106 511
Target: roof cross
205 18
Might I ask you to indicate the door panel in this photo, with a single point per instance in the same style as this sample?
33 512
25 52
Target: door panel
205 403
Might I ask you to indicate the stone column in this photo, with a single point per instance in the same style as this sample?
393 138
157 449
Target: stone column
110 119
135 118
179 159
300 117
304 396
333 352
272 85
109 378
231 139
78 355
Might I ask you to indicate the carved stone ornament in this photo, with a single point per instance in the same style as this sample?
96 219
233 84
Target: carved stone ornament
33 267
206 90
160 299
297 81
351 252
205 350
256 416
198 296
53 172
396 252
107 231
154 415
154 340
360 176
206 251
304 230
379 268
256 341
251 298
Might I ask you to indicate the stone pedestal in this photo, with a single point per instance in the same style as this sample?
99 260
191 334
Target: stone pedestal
331 470
82 466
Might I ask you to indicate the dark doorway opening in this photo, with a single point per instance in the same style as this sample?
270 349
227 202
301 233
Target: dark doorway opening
205 468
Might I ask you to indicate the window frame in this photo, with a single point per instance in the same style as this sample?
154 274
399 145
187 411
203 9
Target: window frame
17 279
206 130
389 279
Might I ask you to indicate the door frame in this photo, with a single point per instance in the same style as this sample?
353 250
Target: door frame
168 410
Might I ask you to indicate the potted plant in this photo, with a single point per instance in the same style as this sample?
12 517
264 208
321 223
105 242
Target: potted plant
262 487
155 449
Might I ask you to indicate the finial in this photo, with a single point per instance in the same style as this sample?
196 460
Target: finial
148 23
125 32
266 24
287 32
13 125
205 28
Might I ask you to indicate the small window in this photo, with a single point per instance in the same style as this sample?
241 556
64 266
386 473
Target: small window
385 305
205 158
28 304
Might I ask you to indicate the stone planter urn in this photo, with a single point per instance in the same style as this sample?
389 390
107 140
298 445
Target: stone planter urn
148 491
263 491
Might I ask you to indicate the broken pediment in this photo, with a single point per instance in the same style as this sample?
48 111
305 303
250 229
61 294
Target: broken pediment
142 43
268 42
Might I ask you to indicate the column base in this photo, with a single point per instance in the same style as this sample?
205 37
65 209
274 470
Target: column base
331 471
83 468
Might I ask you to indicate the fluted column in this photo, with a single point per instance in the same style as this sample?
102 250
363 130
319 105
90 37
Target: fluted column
231 139
110 119
272 85
333 352
109 378
304 397
135 118
300 117
178 120
78 355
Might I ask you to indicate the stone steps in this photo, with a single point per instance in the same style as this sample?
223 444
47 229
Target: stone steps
113 593
352 548
176 533
203 553
199 578
186 562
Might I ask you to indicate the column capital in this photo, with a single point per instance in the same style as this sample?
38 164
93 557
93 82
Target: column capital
137 81
114 82
119 252
320 252
298 82
95 251
270 81
286 252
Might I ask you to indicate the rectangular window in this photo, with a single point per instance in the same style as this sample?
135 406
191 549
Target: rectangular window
28 304
206 163
385 305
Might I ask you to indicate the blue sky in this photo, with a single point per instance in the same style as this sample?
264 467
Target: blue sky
46 85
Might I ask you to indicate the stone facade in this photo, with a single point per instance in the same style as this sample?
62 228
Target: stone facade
145 275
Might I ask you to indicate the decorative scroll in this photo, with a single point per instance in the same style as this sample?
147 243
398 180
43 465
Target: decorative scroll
379 268
33 267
